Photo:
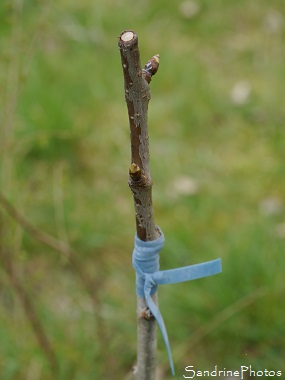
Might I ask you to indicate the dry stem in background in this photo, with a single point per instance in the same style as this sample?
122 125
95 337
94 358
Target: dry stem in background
67 252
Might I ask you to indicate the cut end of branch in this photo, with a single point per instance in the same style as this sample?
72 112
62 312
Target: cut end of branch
127 36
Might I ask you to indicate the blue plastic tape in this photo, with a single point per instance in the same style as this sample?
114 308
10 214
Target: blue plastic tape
146 264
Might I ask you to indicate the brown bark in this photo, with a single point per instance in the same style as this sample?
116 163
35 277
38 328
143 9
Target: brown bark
137 96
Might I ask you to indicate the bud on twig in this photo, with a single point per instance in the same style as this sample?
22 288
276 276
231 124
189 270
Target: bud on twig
135 172
151 67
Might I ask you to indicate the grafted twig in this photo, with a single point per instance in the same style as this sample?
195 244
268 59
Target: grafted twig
137 96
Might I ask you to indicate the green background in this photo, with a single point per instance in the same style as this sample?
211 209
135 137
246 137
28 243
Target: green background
217 145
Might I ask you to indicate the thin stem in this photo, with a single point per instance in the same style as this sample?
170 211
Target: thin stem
137 96
64 249
28 306
59 206
227 313
11 97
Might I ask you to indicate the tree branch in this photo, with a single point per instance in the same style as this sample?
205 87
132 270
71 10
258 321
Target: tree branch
137 96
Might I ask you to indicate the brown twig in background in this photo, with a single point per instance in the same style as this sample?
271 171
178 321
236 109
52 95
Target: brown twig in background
58 199
27 304
18 66
7 130
227 313
137 96
64 249
49 241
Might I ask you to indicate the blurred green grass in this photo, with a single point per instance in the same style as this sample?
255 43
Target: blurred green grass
216 125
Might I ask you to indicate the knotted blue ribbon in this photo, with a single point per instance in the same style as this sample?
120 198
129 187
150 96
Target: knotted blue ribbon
148 277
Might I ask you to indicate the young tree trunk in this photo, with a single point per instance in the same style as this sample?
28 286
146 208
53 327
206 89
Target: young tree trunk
137 95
